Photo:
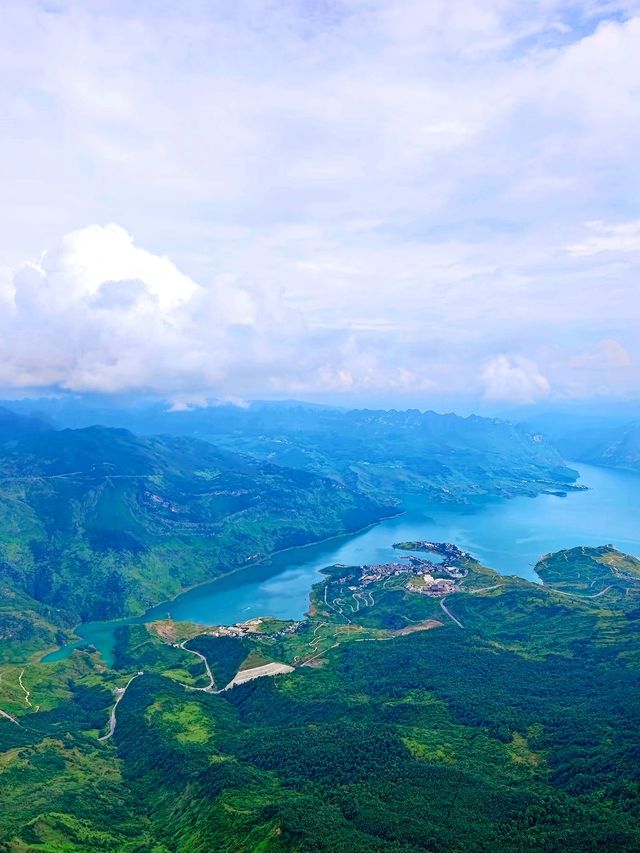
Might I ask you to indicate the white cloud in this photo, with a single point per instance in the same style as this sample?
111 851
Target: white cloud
606 355
354 195
514 380
602 237
99 314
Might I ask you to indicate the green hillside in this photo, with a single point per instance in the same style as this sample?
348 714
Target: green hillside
97 523
446 457
507 724
616 448
610 439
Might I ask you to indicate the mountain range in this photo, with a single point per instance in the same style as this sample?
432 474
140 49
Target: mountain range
385 453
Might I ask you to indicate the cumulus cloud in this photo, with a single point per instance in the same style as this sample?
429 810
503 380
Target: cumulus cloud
514 380
99 314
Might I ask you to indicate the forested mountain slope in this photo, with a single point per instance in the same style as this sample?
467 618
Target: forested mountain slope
615 448
513 729
610 441
98 523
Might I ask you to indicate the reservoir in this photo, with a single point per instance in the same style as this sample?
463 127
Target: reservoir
507 535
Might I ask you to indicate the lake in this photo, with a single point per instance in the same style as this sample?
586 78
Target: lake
508 535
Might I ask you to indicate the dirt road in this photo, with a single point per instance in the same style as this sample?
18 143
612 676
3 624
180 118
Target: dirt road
211 686
119 692
449 614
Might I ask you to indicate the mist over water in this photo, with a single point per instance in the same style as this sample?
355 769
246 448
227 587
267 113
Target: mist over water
507 535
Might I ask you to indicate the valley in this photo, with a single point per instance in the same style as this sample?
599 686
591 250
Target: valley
508 535
320 427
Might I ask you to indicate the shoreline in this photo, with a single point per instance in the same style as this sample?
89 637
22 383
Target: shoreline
140 617
137 618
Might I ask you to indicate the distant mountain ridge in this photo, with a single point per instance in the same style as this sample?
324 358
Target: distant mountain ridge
616 448
14 425
597 440
382 453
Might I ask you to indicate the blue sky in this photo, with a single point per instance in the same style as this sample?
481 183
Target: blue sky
384 199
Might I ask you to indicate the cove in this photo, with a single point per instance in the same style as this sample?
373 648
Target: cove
507 535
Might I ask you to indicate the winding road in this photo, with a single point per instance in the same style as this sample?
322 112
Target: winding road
211 686
119 692
335 609
314 642
319 654
484 589
584 597
27 693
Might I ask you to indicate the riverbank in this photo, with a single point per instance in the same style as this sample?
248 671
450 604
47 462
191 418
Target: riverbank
152 614
507 535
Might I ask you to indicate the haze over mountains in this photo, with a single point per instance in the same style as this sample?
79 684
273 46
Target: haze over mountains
606 439
378 451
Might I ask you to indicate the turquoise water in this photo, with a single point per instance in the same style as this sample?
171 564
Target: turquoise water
508 535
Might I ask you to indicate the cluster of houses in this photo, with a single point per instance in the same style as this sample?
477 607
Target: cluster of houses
371 574
250 627
451 571
424 576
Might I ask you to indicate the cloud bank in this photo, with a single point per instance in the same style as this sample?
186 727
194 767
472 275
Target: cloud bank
99 314
388 196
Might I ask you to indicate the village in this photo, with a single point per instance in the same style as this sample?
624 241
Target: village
424 576
255 627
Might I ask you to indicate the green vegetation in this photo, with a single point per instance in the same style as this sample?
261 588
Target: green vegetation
609 439
517 732
384 454
389 453
224 654
589 571
98 523
502 715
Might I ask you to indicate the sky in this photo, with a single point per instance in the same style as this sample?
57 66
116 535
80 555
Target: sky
372 199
